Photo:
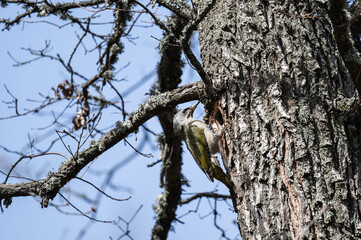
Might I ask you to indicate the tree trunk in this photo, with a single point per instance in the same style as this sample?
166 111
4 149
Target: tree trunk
293 155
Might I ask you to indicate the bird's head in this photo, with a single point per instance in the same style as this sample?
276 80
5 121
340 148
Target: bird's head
182 115
190 110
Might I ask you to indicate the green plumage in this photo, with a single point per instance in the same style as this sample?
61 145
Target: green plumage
197 145
202 144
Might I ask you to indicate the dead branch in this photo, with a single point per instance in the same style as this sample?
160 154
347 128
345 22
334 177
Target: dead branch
48 188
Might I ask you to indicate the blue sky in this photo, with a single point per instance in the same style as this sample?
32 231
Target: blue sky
25 219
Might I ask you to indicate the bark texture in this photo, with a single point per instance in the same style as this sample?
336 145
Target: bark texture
293 156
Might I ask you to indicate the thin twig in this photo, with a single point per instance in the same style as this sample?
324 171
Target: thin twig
207 195
94 219
147 155
31 156
113 198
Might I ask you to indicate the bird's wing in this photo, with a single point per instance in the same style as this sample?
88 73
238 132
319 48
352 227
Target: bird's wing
200 151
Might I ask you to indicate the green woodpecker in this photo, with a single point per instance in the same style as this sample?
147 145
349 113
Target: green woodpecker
201 142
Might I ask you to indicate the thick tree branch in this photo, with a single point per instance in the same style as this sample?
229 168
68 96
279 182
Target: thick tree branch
341 25
180 8
188 31
169 76
49 187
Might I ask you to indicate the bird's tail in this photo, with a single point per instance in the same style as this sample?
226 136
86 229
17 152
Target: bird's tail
221 176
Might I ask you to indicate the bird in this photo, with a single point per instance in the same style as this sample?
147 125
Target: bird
201 143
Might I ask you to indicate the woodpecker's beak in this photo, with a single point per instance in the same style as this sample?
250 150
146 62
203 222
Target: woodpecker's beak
193 108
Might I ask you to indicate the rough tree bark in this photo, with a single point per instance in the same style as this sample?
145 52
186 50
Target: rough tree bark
293 150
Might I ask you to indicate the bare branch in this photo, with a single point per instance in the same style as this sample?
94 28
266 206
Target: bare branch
188 31
46 102
207 195
98 189
121 99
169 76
157 21
180 8
31 157
126 232
77 209
147 155
49 187
44 9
